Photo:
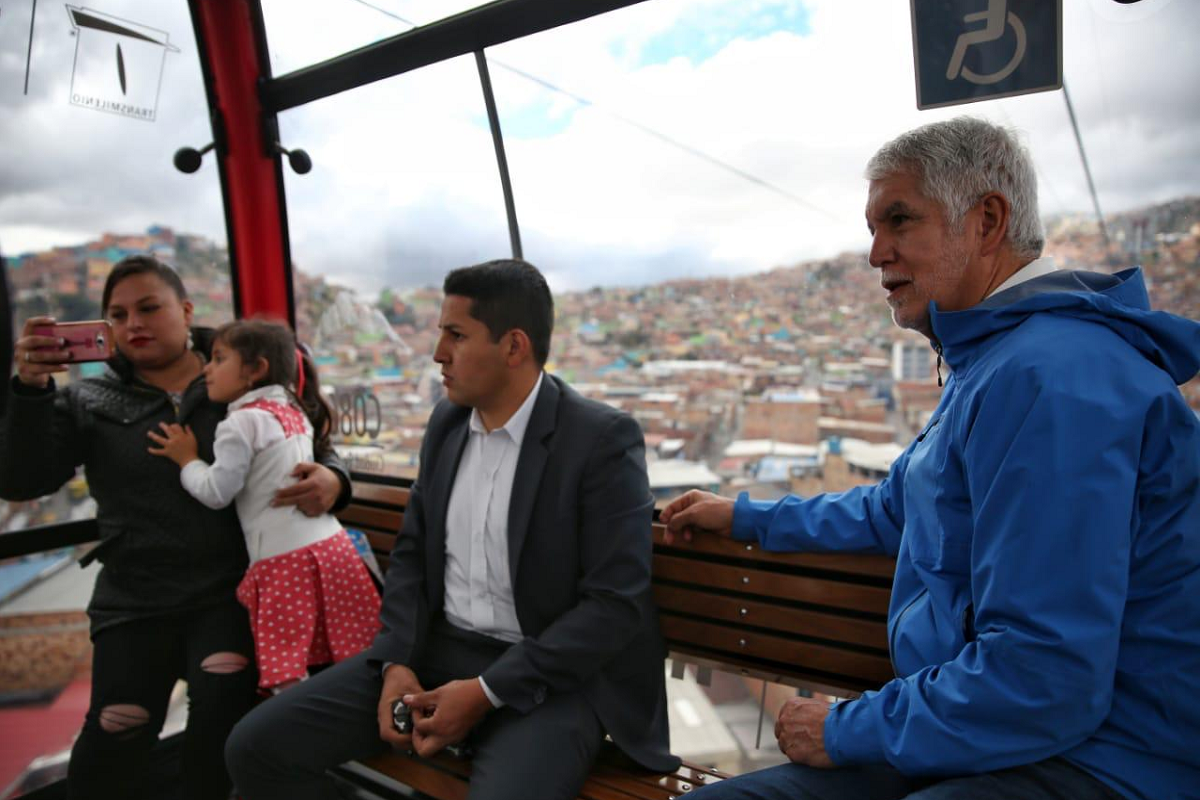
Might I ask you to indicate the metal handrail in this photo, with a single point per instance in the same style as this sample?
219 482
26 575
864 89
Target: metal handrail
43 538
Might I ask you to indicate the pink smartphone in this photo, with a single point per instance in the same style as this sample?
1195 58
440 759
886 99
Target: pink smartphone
91 340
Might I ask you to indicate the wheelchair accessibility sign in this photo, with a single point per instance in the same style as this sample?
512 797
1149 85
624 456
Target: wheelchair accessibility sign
969 50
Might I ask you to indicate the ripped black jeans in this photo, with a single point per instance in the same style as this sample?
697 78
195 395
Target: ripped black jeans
134 668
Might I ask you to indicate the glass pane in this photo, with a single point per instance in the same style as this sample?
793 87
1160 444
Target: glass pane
407 165
301 33
725 720
691 179
96 103
45 656
644 155
90 130
684 140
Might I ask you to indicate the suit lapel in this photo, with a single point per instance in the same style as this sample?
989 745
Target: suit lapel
442 482
531 463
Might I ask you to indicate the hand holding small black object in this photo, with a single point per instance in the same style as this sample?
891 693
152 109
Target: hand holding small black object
402 717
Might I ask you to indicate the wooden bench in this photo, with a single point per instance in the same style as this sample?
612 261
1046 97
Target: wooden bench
807 620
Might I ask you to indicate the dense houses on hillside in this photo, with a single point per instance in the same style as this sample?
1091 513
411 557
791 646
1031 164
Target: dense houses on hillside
791 380
805 358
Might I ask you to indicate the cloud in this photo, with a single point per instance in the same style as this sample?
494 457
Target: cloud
405 184
69 170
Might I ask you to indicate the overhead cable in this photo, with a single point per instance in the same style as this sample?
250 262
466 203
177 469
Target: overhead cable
1087 171
646 129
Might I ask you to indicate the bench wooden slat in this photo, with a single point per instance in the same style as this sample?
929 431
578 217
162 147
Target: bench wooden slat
808 619
713 638
379 519
381 543
380 493
644 784
446 777
766 615
797 588
697 774
838 685
595 789
870 566
426 776
629 786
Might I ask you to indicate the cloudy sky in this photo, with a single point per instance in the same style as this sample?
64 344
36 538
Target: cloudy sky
627 173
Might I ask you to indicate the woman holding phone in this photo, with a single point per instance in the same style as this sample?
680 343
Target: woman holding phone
164 605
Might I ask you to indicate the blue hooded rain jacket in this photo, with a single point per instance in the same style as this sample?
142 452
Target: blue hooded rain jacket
1046 525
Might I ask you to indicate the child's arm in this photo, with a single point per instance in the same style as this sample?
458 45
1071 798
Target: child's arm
217 484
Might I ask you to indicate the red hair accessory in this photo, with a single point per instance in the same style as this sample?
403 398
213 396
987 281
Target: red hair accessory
299 373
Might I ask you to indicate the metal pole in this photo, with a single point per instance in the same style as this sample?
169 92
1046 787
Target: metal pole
485 81
29 52
762 709
1087 171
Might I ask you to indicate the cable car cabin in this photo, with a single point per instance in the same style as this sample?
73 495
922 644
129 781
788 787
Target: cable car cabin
686 173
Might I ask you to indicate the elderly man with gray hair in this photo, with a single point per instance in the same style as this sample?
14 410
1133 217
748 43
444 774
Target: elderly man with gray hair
1045 614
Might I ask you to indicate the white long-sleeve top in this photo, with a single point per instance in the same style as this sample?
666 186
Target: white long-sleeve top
252 459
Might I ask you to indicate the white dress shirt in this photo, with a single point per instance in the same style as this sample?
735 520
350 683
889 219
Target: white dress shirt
1034 269
252 459
479 594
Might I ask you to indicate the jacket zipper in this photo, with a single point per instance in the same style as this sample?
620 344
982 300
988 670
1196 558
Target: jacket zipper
929 428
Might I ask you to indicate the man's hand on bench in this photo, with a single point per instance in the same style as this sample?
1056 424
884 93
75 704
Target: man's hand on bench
446 715
696 511
800 730
398 681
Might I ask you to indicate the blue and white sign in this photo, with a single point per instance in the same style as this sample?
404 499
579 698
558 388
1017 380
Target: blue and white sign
969 50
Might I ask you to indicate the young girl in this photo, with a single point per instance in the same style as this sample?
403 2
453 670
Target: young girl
310 597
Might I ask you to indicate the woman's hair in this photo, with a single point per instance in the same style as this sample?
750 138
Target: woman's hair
140 265
274 343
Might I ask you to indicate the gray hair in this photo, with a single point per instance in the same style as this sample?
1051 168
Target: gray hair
959 161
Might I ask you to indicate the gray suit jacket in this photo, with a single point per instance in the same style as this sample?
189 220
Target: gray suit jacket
580 552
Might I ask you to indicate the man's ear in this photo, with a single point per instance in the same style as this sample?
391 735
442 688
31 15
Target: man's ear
519 347
994 217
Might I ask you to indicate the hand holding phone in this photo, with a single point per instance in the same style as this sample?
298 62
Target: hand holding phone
90 340
37 357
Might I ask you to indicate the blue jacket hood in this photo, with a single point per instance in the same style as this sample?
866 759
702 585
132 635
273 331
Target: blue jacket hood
1119 302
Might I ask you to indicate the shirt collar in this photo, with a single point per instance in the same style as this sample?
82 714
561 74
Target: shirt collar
271 392
518 422
1034 269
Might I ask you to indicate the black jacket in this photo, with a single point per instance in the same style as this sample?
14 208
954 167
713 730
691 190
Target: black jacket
579 544
162 550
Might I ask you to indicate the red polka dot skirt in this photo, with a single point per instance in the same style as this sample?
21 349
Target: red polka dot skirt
314 605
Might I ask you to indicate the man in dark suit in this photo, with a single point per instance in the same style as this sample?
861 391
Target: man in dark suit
517 615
